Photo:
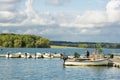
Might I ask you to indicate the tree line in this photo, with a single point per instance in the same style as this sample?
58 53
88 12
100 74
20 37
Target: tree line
85 44
104 45
11 40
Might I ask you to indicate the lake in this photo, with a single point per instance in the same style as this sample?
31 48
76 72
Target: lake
53 69
67 51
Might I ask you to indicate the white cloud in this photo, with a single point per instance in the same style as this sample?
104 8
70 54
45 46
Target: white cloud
88 19
113 11
57 2
88 23
35 18
7 7
9 12
6 15
91 19
9 1
28 17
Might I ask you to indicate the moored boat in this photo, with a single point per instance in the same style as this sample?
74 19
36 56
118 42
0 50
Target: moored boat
38 55
47 55
99 62
16 55
56 55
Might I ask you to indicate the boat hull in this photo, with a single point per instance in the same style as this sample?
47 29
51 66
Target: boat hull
86 63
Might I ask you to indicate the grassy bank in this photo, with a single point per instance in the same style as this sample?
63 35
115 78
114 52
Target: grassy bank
55 46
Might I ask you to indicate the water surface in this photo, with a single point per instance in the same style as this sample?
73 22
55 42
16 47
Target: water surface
52 69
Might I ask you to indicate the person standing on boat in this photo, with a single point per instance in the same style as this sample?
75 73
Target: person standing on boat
35 55
87 54
25 55
8 55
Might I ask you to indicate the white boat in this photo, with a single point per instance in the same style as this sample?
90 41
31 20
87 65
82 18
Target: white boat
27 55
58 55
38 55
16 55
47 55
100 62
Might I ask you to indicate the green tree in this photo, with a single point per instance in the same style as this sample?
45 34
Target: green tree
76 55
1 42
45 42
38 43
28 41
10 44
83 45
17 43
99 47
5 44
42 42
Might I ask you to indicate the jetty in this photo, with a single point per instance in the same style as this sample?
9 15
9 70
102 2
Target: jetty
36 55
94 60
115 62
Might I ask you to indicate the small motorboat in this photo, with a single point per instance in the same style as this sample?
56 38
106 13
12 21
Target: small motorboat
16 55
86 62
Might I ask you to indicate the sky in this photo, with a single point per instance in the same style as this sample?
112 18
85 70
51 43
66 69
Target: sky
63 20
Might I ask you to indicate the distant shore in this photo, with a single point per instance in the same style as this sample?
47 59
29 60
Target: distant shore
55 46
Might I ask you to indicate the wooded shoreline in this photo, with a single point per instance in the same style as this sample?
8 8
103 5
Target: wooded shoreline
85 44
10 40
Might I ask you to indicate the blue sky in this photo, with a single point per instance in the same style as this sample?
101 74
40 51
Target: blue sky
63 20
74 6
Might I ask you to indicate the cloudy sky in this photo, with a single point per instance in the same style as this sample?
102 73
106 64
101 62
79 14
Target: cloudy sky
63 20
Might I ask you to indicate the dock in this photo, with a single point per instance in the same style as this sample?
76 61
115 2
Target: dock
115 62
35 55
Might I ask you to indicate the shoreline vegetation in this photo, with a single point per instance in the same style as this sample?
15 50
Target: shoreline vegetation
65 44
11 40
57 46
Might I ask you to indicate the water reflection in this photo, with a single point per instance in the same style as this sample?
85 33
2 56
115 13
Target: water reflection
52 69
93 72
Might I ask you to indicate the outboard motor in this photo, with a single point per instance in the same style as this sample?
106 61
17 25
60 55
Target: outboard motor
111 56
65 58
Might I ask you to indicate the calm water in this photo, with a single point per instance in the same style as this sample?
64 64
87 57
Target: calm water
52 69
67 51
